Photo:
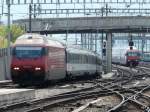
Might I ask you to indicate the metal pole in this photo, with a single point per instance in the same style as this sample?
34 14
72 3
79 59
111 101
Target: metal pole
88 41
85 37
96 36
76 39
30 18
67 15
106 9
143 43
91 41
109 52
9 36
34 11
81 40
102 44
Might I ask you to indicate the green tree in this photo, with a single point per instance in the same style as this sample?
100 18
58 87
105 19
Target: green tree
16 31
3 41
2 30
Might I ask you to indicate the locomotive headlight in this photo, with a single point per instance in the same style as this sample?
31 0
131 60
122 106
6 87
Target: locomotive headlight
16 68
37 68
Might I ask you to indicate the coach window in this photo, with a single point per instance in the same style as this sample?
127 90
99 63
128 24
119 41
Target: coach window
74 58
68 58
78 61
80 58
84 59
94 60
77 58
71 57
99 62
90 59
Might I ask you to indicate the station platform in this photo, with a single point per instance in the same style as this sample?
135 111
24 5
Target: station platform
50 92
12 96
5 81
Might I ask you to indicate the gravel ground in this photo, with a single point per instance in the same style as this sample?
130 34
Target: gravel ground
143 81
103 105
147 92
130 108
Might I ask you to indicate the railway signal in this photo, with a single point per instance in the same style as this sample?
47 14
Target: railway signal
131 43
104 48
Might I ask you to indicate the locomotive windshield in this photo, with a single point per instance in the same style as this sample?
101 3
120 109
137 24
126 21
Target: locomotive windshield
133 54
28 52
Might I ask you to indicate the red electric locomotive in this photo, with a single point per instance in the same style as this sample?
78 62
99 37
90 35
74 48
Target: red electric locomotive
132 57
34 58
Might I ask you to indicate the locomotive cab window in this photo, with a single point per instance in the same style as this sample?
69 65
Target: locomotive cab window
29 52
132 54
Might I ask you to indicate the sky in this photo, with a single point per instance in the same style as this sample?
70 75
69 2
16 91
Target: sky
21 11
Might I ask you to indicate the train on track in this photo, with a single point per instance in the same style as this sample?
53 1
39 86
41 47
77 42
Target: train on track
145 61
36 59
129 56
146 57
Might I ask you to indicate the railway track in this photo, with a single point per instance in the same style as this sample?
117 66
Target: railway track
133 96
114 87
41 104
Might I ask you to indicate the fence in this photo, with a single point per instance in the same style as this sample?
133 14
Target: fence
3 52
3 63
